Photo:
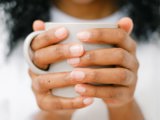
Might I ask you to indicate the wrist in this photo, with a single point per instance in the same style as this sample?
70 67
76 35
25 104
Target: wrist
128 111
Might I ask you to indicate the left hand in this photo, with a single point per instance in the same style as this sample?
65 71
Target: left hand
119 81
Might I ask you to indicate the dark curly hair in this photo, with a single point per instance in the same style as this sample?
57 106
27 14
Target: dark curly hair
22 13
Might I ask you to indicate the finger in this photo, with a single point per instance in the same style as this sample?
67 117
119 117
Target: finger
109 93
46 82
50 81
50 103
57 53
49 37
31 74
35 88
117 37
38 25
111 56
115 76
126 24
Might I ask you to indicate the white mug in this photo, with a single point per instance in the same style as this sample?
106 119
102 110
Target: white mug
63 66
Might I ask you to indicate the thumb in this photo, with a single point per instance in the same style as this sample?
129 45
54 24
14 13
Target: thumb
126 24
38 25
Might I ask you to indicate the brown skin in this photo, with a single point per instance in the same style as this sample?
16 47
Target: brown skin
56 115
121 79
82 9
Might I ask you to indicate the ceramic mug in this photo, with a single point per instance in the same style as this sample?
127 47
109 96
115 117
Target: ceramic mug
63 66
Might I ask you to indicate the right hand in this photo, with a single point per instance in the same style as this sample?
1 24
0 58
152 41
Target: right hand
47 51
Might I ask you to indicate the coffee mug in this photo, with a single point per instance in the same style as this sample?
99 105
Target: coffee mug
63 66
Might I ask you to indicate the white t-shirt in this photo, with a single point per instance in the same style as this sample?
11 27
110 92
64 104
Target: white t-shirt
17 101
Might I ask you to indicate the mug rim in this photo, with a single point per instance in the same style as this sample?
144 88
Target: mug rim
110 25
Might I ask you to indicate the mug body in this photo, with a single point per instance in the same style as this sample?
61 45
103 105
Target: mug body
63 66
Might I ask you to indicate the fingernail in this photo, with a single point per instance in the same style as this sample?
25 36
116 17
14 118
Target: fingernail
61 33
80 89
77 75
76 50
85 35
88 101
73 61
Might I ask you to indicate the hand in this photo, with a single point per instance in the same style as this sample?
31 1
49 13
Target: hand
47 51
119 81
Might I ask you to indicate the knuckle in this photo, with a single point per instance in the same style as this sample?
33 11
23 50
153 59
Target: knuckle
123 75
120 92
130 94
121 35
72 105
117 97
96 33
41 104
77 106
111 94
45 105
95 92
90 57
92 91
126 96
94 75
41 82
58 50
126 77
34 87
34 46
37 58
45 36
121 54
57 105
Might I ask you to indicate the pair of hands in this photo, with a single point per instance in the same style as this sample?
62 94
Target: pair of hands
120 80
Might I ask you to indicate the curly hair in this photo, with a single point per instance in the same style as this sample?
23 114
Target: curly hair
22 13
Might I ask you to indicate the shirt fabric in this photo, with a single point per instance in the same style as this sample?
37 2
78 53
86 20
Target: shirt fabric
17 101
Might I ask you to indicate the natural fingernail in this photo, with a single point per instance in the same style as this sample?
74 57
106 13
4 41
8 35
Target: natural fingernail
88 101
76 50
74 61
61 33
77 75
80 89
85 35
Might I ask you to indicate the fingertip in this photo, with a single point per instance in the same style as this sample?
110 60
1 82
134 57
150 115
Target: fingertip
88 101
81 101
80 89
38 25
126 24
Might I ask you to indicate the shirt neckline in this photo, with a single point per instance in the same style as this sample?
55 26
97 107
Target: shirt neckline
57 15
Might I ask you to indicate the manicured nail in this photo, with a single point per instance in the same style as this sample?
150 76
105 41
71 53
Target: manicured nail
76 50
73 61
61 33
77 75
85 35
88 101
80 89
